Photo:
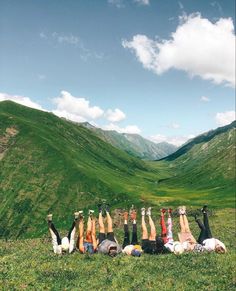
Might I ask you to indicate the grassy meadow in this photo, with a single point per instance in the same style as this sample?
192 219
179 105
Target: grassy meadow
30 264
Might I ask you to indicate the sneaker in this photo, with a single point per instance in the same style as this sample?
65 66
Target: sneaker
76 214
169 211
49 217
133 215
204 209
181 210
149 211
126 214
163 210
81 214
143 211
100 208
107 208
90 212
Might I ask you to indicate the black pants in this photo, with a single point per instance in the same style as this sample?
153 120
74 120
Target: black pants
204 227
134 240
53 228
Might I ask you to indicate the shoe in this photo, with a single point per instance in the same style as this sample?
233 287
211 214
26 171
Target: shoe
76 214
81 214
126 215
149 211
181 210
169 211
133 215
107 208
204 209
163 210
90 212
100 208
143 211
49 217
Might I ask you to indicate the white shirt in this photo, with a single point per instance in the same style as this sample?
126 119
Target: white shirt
211 243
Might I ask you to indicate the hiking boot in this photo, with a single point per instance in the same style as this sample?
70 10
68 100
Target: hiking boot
126 214
133 215
90 212
107 208
81 214
204 209
100 208
76 215
143 211
163 210
181 210
49 217
149 211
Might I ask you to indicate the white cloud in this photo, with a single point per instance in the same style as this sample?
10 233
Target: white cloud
175 140
205 99
117 3
198 47
115 115
26 101
128 129
142 2
75 108
63 38
224 118
174 125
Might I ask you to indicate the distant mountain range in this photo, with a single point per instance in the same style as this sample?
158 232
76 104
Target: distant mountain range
207 160
134 144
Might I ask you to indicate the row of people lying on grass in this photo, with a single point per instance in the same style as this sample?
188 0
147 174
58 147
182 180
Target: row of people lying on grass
106 243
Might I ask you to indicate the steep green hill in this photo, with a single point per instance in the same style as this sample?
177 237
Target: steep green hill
207 161
134 144
49 164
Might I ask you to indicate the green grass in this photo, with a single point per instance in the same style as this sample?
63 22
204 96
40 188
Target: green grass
30 264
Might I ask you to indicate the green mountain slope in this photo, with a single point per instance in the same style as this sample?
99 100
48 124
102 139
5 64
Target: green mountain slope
134 144
207 161
49 164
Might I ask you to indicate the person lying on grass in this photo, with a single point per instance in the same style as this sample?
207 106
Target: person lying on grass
185 236
167 234
151 244
205 238
131 248
107 244
89 244
67 243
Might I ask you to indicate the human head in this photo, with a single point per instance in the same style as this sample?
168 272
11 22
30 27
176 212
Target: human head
220 249
137 251
112 251
178 248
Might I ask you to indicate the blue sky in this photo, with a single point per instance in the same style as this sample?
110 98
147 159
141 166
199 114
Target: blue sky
164 69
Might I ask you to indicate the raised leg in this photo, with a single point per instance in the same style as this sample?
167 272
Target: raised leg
94 240
134 240
144 228
89 230
126 241
81 235
182 224
163 226
71 236
206 224
153 233
202 235
186 224
109 223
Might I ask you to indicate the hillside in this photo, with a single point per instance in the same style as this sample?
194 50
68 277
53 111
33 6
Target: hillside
49 164
207 161
134 144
